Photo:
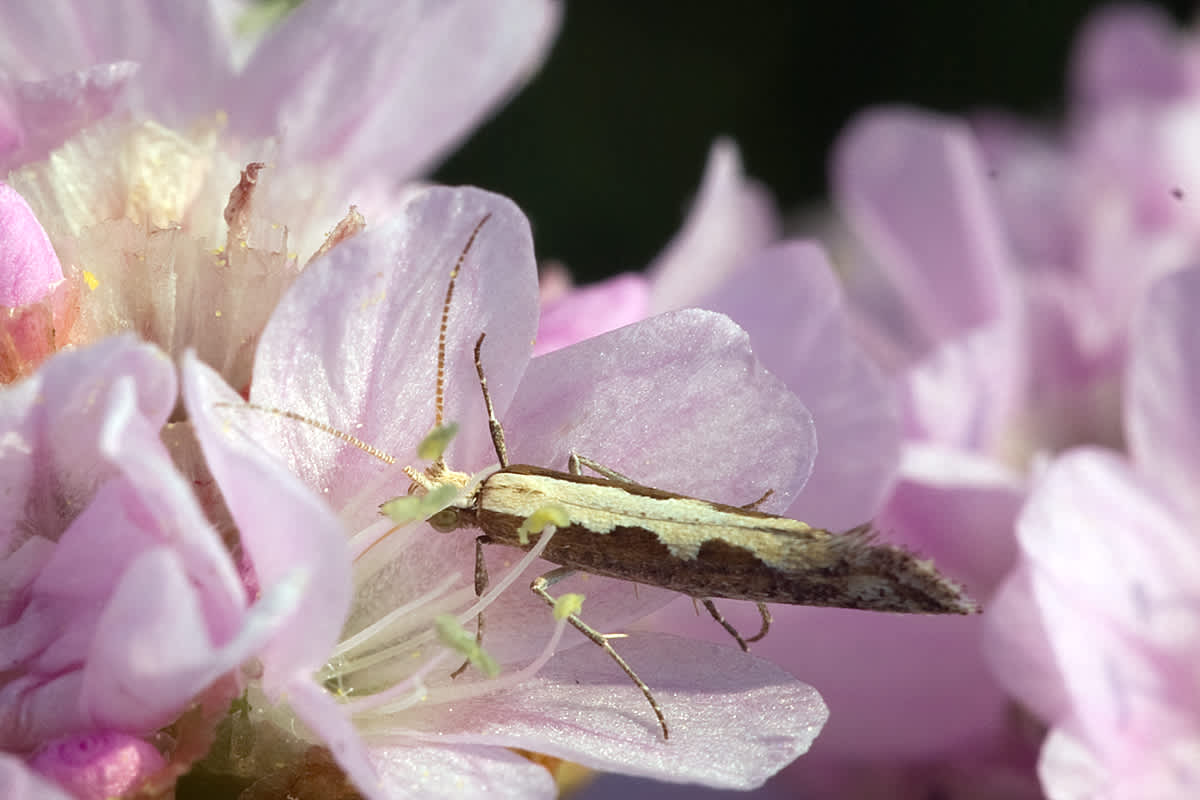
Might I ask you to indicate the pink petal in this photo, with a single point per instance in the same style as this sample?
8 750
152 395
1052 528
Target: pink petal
18 782
1018 646
1162 392
182 51
163 503
440 66
731 218
66 436
353 343
789 301
460 771
47 113
592 310
1033 176
98 766
83 648
874 670
735 720
1069 770
289 534
325 717
1111 570
148 662
966 390
677 401
913 188
1127 53
29 268
959 509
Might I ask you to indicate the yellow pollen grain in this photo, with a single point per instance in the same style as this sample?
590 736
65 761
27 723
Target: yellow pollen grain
217 313
91 280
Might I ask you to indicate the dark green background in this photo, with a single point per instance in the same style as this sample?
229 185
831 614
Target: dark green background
605 147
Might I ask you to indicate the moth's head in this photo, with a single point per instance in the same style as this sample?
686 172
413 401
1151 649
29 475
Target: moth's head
447 520
438 495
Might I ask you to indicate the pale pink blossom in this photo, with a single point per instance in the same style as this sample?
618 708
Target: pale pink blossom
122 605
1096 631
1095 211
353 345
153 113
995 271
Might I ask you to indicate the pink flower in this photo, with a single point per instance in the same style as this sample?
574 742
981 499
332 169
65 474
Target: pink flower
98 521
353 345
995 273
1095 212
1096 631
193 177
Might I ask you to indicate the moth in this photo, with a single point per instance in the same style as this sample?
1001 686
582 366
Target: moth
608 524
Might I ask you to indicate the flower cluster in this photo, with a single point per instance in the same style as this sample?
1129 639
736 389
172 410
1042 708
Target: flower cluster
227 331
197 584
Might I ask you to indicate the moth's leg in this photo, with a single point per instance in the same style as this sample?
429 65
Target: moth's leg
481 584
754 506
765 613
576 463
539 587
724 623
493 423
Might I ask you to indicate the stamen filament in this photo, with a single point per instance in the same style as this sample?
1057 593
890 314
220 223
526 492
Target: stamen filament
395 651
376 628
376 702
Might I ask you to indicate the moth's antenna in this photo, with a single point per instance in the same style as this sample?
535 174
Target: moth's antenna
321 426
439 395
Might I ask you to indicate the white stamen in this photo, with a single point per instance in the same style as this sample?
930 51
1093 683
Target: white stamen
384 702
376 628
